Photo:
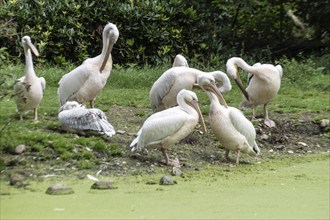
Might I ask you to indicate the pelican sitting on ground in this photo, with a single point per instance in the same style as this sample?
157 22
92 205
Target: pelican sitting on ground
86 81
263 84
180 60
234 131
167 127
165 89
76 118
29 89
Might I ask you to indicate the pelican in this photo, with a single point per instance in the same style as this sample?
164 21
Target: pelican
75 118
180 60
86 81
29 89
234 131
165 89
263 84
169 126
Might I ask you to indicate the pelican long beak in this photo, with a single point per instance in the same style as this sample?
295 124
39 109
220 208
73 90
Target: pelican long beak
111 41
33 49
195 105
213 88
241 87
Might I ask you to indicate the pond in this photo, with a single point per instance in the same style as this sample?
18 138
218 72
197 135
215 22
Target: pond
288 188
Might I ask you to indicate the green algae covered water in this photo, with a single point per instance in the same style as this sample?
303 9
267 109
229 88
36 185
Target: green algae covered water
287 188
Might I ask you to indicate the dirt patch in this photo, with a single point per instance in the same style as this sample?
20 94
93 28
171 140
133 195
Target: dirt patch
294 134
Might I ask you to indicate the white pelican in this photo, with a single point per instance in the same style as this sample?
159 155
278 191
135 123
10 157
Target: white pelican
167 127
234 131
76 118
165 89
86 81
180 60
29 89
263 84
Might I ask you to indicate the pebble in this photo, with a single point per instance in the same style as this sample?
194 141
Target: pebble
302 144
17 180
324 123
59 189
176 171
290 152
167 180
103 184
20 149
279 147
271 151
264 137
120 132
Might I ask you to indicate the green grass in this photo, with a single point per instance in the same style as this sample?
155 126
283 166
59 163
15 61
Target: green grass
305 88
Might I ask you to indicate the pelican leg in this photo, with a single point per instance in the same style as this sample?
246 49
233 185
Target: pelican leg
227 155
267 121
20 116
91 102
237 157
35 114
254 110
167 160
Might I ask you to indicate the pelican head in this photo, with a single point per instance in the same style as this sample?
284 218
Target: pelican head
70 105
27 44
190 98
207 83
231 66
110 35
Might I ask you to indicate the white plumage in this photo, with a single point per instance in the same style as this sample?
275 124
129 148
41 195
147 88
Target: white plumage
29 89
86 81
77 119
165 89
234 131
264 82
180 60
169 126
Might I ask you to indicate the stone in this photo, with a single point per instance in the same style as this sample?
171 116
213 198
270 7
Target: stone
279 147
176 171
59 189
290 152
120 132
20 149
103 185
302 144
167 180
264 137
324 123
17 180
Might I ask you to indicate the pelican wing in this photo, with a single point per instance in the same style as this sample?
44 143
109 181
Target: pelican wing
242 125
159 126
161 87
43 83
71 82
86 119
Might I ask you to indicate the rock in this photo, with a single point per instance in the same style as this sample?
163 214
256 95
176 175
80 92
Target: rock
290 152
279 147
120 132
271 151
59 189
324 123
103 184
20 149
302 144
264 137
17 180
176 171
167 180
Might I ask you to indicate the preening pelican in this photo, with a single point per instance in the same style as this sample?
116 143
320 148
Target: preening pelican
29 89
234 131
86 81
75 118
180 60
263 84
167 127
165 89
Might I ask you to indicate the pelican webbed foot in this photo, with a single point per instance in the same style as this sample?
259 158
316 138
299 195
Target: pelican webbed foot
269 123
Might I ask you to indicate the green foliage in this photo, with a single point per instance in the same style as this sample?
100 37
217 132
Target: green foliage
153 32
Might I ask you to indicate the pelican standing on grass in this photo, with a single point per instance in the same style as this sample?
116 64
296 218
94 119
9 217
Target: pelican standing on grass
165 89
234 131
29 89
86 81
76 118
263 84
167 127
